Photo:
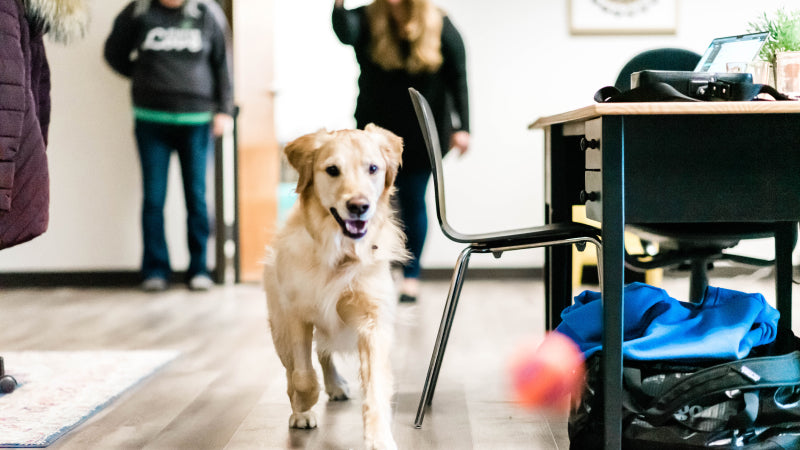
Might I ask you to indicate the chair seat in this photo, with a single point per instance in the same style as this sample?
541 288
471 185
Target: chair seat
724 235
526 236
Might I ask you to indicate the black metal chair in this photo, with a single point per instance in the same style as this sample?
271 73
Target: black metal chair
495 243
691 246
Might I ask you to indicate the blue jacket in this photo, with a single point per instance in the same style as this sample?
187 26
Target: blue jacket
725 325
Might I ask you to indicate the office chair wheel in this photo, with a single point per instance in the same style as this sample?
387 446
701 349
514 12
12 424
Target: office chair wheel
7 384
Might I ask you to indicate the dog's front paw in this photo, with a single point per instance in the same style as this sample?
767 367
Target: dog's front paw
303 420
386 443
380 440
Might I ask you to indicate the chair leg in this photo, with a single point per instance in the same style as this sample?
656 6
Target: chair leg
455 295
444 333
785 240
699 280
599 252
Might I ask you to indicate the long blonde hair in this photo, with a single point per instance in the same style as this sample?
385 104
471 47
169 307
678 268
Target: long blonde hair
423 31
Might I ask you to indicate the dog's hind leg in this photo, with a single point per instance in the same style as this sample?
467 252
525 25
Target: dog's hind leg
302 379
335 385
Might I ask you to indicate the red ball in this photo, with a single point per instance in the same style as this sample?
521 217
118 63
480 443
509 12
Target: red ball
544 376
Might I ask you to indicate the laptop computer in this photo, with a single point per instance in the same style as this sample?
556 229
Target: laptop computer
732 49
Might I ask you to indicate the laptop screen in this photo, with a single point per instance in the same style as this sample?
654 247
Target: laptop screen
721 51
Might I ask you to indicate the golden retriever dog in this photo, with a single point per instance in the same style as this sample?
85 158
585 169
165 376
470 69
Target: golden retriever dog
327 276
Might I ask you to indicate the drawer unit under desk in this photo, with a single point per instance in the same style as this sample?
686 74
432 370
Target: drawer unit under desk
591 146
677 172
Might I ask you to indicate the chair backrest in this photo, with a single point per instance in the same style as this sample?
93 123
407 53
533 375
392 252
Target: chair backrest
656 59
431 136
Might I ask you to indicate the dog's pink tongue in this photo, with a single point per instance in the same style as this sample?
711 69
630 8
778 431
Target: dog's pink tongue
355 226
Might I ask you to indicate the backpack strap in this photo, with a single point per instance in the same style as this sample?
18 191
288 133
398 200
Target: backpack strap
749 91
651 92
744 374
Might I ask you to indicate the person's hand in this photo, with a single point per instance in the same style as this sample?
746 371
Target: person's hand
460 141
222 122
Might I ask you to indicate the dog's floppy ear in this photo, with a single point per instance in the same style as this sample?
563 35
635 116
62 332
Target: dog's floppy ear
300 153
392 149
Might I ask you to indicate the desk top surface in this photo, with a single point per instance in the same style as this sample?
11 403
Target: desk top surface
671 108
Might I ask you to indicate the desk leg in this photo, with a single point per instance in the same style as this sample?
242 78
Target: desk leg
784 241
613 224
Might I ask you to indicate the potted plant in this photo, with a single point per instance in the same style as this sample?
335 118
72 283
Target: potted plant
784 35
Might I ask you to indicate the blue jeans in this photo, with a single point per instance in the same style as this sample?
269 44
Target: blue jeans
156 141
411 185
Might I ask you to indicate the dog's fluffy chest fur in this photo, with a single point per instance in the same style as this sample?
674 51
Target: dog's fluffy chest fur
328 270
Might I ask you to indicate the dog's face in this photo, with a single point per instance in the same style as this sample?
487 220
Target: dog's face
349 172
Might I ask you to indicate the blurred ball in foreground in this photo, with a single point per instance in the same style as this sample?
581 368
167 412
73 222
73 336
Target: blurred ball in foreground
544 376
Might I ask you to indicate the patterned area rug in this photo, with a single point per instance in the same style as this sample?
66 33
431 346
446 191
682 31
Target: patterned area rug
59 390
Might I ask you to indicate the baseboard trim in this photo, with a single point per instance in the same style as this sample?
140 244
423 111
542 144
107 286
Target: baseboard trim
104 279
127 279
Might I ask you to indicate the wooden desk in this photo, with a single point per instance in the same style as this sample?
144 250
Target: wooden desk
666 162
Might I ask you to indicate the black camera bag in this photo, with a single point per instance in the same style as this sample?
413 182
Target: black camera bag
683 86
750 404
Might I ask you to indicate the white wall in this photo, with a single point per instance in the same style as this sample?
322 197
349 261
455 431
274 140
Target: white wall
523 63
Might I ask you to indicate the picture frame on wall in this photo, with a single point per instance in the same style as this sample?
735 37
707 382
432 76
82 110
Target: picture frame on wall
623 16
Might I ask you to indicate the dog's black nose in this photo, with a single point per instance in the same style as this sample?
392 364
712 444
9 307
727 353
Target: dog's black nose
358 205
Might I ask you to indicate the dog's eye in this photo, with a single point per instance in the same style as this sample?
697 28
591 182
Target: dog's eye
332 171
372 169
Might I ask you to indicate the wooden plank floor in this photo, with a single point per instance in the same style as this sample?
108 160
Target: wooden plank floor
227 389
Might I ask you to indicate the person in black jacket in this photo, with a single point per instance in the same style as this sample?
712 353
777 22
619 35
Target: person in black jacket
400 44
176 53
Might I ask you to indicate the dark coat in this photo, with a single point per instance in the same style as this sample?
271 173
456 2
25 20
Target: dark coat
383 97
24 120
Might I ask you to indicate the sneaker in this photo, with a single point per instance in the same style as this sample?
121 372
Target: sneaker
405 298
154 284
200 283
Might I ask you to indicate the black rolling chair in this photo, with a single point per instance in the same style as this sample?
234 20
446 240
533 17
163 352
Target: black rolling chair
656 59
692 246
495 243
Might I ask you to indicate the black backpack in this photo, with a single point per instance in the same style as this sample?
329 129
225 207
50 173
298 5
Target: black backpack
752 403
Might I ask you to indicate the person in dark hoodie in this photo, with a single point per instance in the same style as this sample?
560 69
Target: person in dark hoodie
176 53
25 109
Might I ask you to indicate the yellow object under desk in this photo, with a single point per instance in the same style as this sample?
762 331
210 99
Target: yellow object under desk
589 257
